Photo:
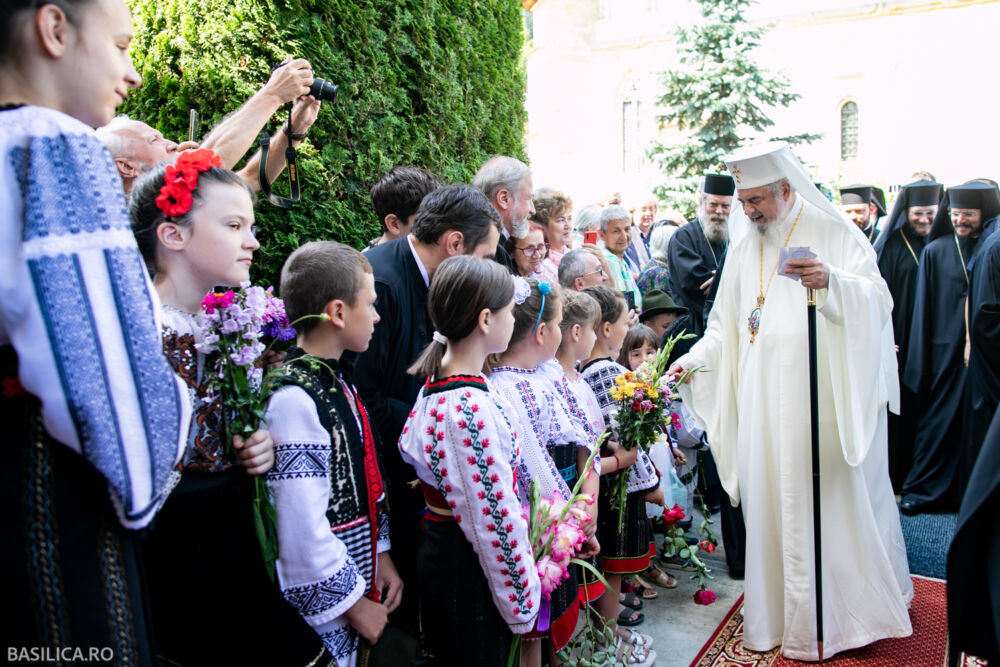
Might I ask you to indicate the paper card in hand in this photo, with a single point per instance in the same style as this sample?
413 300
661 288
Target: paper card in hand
785 254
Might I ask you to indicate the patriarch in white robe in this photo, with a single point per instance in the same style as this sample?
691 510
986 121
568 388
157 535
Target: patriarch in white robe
753 401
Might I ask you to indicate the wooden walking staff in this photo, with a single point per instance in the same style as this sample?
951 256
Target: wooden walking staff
814 419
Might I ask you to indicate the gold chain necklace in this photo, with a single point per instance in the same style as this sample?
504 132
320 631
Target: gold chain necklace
753 322
910 248
961 258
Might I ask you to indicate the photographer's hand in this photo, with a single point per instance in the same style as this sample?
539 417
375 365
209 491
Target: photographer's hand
289 82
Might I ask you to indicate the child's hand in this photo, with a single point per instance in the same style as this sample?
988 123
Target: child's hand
273 359
256 452
368 618
679 458
626 457
388 580
656 496
589 548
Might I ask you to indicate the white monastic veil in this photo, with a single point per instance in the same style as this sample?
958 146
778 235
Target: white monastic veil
763 164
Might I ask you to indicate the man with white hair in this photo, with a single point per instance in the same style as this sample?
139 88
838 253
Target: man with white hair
506 182
698 249
754 403
580 268
136 147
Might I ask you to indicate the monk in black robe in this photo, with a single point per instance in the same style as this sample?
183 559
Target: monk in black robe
983 382
863 205
974 560
898 249
935 364
698 249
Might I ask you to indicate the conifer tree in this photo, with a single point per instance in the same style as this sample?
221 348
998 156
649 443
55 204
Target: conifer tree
717 96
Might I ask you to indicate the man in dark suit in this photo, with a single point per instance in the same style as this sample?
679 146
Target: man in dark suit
452 220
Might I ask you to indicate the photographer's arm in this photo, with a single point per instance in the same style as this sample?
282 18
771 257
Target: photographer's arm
234 136
304 113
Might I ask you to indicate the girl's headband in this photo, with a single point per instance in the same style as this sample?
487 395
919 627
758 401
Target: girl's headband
181 179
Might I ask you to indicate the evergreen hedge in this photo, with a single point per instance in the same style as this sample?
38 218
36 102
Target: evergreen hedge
434 83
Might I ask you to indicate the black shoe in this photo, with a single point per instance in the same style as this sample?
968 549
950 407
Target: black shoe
736 574
909 508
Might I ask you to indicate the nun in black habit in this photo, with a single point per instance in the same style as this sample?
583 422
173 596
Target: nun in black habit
974 560
935 365
898 249
692 259
983 382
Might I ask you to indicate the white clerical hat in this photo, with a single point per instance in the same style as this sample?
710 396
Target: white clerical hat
760 164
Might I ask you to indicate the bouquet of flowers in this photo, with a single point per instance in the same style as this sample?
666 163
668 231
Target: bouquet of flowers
645 401
676 543
235 326
556 534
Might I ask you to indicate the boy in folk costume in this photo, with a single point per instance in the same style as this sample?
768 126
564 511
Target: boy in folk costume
333 532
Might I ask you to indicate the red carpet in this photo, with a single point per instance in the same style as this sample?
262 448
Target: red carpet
926 647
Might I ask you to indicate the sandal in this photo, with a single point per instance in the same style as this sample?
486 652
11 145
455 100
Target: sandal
646 592
636 638
654 575
629 655
630 600
630 617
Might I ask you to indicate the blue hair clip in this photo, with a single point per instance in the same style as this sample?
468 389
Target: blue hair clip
543 289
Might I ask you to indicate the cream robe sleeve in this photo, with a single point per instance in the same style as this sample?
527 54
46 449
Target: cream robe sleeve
711 394
857 333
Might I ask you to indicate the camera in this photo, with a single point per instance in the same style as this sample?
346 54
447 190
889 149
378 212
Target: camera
321 89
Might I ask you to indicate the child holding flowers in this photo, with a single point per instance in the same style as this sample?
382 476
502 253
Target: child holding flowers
549 437
625 549
333 532
193 222
475 560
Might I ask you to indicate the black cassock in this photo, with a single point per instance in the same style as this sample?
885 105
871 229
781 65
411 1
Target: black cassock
974 559
935 370
983 383
692 260
898 259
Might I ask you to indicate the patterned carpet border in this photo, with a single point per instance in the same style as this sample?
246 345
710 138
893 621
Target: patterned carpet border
926 647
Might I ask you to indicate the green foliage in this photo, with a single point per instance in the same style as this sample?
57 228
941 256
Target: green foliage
434 83
717 96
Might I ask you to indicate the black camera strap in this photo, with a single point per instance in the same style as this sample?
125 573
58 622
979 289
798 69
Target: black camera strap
294 192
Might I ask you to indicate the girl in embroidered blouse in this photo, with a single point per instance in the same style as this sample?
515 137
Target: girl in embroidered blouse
475 560
628 550
549 436
194 223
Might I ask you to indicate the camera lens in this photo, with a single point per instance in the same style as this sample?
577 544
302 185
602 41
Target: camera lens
323 90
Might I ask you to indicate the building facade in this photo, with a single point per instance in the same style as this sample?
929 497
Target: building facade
891 87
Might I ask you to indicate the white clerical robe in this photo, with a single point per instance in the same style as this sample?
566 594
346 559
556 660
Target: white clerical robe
753 401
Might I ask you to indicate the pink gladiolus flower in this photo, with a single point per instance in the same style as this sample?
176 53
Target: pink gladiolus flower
549 574
704 596
568 538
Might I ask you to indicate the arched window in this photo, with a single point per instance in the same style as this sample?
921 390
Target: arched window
848 131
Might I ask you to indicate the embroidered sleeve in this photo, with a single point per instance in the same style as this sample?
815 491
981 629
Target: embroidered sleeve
316 574
79 309
457 444
643 476
383 533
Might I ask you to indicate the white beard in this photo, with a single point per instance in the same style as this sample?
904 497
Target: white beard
716 228
519 228
773 232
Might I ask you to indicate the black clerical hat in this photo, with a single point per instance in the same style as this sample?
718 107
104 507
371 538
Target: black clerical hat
974 194
918 193
718 184
863 194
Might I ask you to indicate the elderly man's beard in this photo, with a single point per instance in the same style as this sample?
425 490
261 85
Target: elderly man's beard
716 228
770 230
520 228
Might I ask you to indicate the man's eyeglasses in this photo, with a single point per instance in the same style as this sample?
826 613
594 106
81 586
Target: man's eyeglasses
531 250
590 273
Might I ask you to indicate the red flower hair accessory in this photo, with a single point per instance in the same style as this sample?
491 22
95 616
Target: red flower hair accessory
181 178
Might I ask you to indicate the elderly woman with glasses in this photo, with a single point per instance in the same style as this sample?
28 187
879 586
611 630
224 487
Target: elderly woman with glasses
554 214
527 253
